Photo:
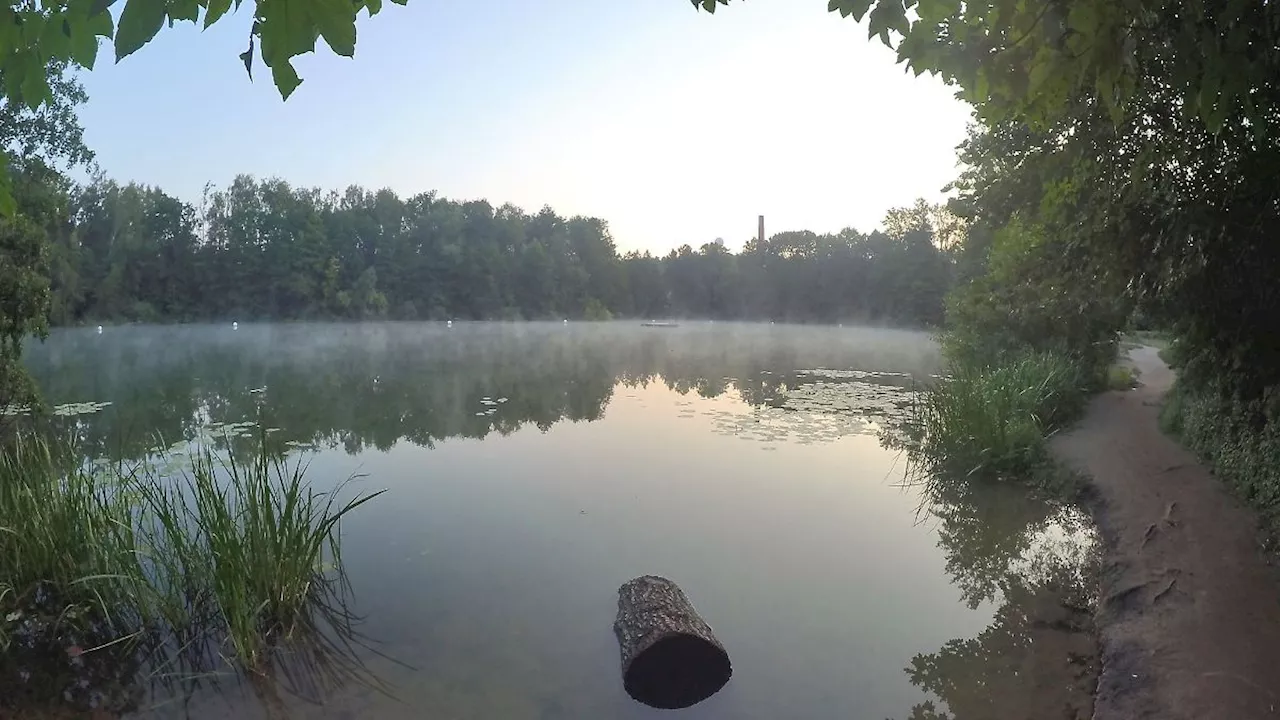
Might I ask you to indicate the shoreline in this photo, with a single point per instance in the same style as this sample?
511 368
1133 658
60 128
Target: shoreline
1188 616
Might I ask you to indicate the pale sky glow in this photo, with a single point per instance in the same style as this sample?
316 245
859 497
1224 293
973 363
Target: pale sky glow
672 125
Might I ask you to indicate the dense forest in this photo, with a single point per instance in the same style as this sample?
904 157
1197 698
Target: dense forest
261 249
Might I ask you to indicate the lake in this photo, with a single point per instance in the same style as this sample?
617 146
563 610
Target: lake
531 469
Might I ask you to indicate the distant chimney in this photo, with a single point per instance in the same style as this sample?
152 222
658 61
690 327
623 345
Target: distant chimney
761 232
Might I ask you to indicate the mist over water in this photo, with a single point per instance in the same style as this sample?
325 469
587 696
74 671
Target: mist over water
533 468
375 384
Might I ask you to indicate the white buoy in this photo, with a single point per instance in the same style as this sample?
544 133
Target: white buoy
235 326
99 329
449 323
566 321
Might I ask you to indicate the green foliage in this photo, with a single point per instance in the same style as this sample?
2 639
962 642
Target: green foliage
33 142
24 293
265 249
1022 302
50 134
1171 409
70 31
1157 192
990 421
1240 440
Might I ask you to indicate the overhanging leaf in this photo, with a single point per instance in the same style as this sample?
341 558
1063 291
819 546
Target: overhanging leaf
286 28
84 44
336 20
183 10
708 5
215 11
286 78
139 22
101 24
857 8
246 57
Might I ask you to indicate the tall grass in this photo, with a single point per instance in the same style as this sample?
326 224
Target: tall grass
241 554
992 421
67 545
266 546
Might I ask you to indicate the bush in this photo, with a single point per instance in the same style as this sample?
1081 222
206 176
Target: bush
1241 441
992 421
1021 305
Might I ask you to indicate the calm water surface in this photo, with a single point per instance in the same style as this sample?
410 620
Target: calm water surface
532 469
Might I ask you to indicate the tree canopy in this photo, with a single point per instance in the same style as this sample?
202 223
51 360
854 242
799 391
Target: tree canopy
1034 60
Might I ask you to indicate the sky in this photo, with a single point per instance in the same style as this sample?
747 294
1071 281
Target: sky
674 126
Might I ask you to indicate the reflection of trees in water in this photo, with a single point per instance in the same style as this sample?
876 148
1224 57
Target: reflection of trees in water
1039 657
371 386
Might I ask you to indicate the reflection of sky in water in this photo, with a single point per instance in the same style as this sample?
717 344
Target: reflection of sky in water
531 472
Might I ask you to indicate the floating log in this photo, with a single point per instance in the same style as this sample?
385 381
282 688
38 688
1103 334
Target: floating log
670 658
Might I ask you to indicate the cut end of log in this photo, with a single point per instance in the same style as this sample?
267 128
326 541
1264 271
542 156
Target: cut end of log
670 658
677 672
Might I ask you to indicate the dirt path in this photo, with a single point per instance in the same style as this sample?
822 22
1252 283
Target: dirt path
1189 616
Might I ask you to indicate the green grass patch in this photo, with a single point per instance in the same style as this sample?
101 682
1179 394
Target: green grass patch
992 422
67 548
131 570
264 545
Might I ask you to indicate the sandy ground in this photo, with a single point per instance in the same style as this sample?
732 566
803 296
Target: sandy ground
1189 611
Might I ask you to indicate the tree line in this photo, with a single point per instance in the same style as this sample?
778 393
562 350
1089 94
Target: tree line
261 249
